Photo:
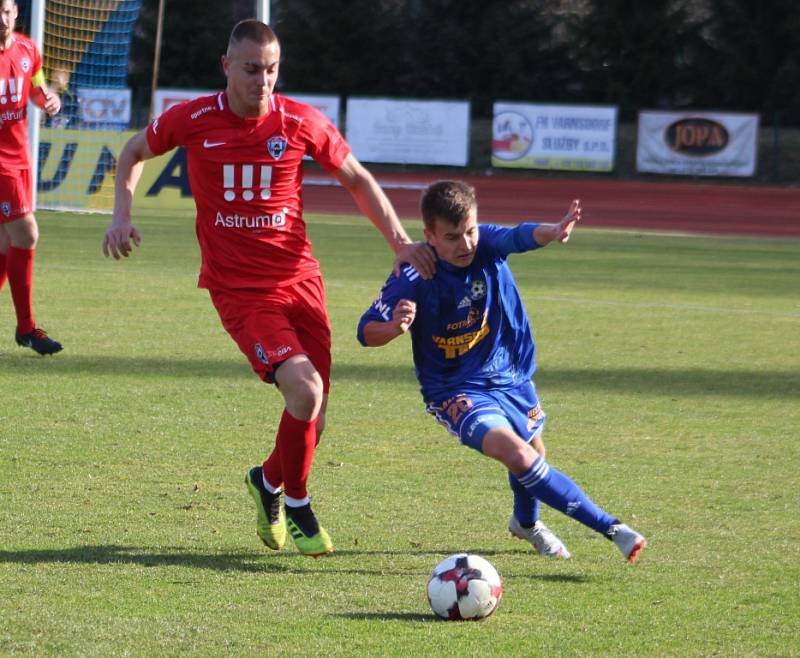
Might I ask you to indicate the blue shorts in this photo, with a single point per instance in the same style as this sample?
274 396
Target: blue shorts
469 414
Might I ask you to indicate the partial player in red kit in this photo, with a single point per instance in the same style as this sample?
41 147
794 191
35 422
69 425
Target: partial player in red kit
21 78
245 149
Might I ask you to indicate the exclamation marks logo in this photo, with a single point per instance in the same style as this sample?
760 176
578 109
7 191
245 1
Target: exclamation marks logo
248 191
14 88
266 180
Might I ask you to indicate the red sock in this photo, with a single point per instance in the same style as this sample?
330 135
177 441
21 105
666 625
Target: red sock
19 264
271 468
296 442
2 270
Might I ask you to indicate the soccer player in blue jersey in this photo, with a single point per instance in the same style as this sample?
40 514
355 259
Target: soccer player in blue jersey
475 356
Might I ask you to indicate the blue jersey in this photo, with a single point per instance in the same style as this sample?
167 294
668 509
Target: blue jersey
471 330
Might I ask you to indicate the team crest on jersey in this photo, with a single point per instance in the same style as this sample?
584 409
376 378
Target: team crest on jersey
261 355
5 208
276 146
25 63
478 289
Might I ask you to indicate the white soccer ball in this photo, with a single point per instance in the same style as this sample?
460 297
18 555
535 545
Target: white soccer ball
464 586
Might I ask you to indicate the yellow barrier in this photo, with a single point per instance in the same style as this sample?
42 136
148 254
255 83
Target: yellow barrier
77 168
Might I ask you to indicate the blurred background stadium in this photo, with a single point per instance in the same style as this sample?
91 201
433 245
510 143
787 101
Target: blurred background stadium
736 56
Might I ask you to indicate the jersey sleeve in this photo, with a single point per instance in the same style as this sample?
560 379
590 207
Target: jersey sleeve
325 143
395 289
504 240
168 130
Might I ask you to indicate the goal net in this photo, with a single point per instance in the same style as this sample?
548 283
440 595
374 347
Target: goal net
86 51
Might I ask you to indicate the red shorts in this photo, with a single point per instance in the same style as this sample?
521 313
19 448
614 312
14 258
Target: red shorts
16 194
271 325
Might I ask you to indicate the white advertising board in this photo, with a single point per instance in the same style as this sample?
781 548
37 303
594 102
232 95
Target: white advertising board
105 106
328 105
559 137
697 143
165 98
409 131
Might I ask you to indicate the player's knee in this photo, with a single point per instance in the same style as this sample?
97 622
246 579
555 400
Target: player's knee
505 446
25 233
304 397
518 458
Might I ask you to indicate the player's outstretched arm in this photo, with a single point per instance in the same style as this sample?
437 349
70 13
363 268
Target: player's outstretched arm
373 202
117 241
378 333
544 234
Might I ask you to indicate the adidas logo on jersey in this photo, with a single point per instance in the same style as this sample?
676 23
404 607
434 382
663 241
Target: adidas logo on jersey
410 272
466 302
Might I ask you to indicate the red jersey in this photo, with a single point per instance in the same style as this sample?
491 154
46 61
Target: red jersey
19 63
246 177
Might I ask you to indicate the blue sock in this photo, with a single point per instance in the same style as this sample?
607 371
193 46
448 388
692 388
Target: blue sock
526 509
555 489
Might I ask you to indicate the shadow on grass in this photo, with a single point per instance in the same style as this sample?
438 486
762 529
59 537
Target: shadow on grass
688 382
114 554
654 381
128 366
290 563
389 616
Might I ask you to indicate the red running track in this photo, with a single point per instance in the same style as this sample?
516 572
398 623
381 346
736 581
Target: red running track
682 207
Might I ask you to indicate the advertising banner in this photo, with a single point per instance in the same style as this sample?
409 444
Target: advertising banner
166 98
409 131
105 107
697 143
76 172
328 105
558 137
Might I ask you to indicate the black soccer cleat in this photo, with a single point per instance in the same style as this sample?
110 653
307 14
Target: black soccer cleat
38 341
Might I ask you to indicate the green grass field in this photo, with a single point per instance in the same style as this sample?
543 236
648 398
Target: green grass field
670 370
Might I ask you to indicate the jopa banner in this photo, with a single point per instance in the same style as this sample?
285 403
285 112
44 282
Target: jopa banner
561 137
697 144
409 131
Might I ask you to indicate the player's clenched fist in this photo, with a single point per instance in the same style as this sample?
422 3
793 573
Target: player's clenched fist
404 314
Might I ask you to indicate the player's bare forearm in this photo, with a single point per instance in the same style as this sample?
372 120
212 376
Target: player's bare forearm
378 333
544 234
372 202
129 171
121 236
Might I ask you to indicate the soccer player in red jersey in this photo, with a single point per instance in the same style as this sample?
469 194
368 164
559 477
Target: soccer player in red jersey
245 149
21 78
